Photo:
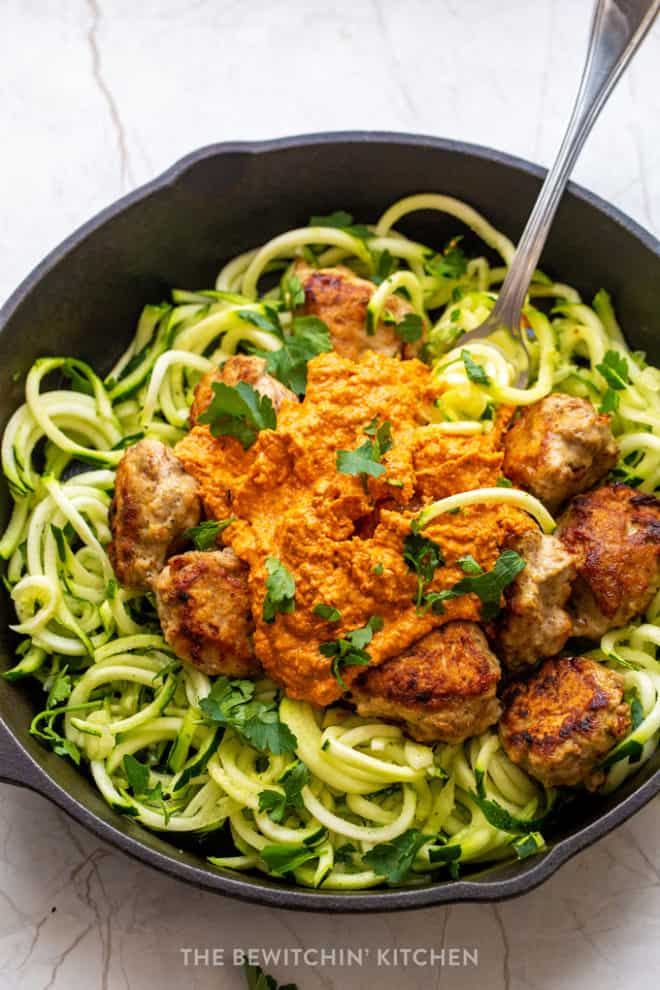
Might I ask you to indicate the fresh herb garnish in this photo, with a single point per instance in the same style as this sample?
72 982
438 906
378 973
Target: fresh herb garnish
452 263
204 536
232 704
422 556
239 411
469 565
614 369
475 371
366 458
292 782
280 590
410 328
282 858
378 568
503 482
60 689
327 612
256 979
269 320
309 337
393 860
349 650
343 221
385 266
487 585
293 292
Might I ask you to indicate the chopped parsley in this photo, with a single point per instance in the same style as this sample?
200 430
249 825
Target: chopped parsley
487 585
292 782
342 221
385 266
614 369
452 263
410 328
280 590
393 860
422 556
284 857
469 565
365 460
475 371
60 688
378 568
309 337
205 535
239 411
609 402
503 482
327 612
293 292
349 650
268 320
232 704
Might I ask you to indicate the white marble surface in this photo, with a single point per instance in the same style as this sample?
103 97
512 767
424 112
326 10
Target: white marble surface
97 96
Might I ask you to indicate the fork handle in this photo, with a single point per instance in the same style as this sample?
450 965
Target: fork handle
617 29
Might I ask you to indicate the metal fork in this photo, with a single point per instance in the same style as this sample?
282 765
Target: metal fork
617 29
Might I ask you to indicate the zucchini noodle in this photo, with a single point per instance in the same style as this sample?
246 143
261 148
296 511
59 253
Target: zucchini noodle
116 693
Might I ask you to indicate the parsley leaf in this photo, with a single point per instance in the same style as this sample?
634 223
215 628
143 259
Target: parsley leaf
610 401
204 535
393 860
487 585
410 328
137 774
385 266
327 612
469 565
503 482
475 371
452 263
310 336
366 458
614 370
60 689
293 292
256 979
239 411
292 781
284 857
343 221
280 590
349 650
232 704
268 320
422 556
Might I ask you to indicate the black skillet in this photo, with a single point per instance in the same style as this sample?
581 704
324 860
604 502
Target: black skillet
177 231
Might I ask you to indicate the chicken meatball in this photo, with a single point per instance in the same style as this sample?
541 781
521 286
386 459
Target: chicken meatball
559 447
614 535
240 368
155 502
559 724
339 298
204 611
442 688
535 622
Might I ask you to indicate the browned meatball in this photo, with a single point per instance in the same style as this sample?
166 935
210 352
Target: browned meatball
240 368
614 534
340 298
155 502
204 611
442 688
559 447
535 622
559 724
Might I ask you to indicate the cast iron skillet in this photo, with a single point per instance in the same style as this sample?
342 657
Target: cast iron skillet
85 297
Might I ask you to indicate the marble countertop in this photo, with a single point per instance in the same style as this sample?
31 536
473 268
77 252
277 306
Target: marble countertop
98 96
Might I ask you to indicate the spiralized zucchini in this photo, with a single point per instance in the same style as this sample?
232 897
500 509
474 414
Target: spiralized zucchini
115 691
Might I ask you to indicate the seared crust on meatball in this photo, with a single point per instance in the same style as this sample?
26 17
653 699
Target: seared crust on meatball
442 688
340 298
535 622
155 502
240 368
204 611
559 724
614 534
559 447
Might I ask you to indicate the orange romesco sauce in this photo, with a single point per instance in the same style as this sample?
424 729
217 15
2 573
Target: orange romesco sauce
290 502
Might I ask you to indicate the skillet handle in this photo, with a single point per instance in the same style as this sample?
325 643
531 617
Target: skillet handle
16 767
